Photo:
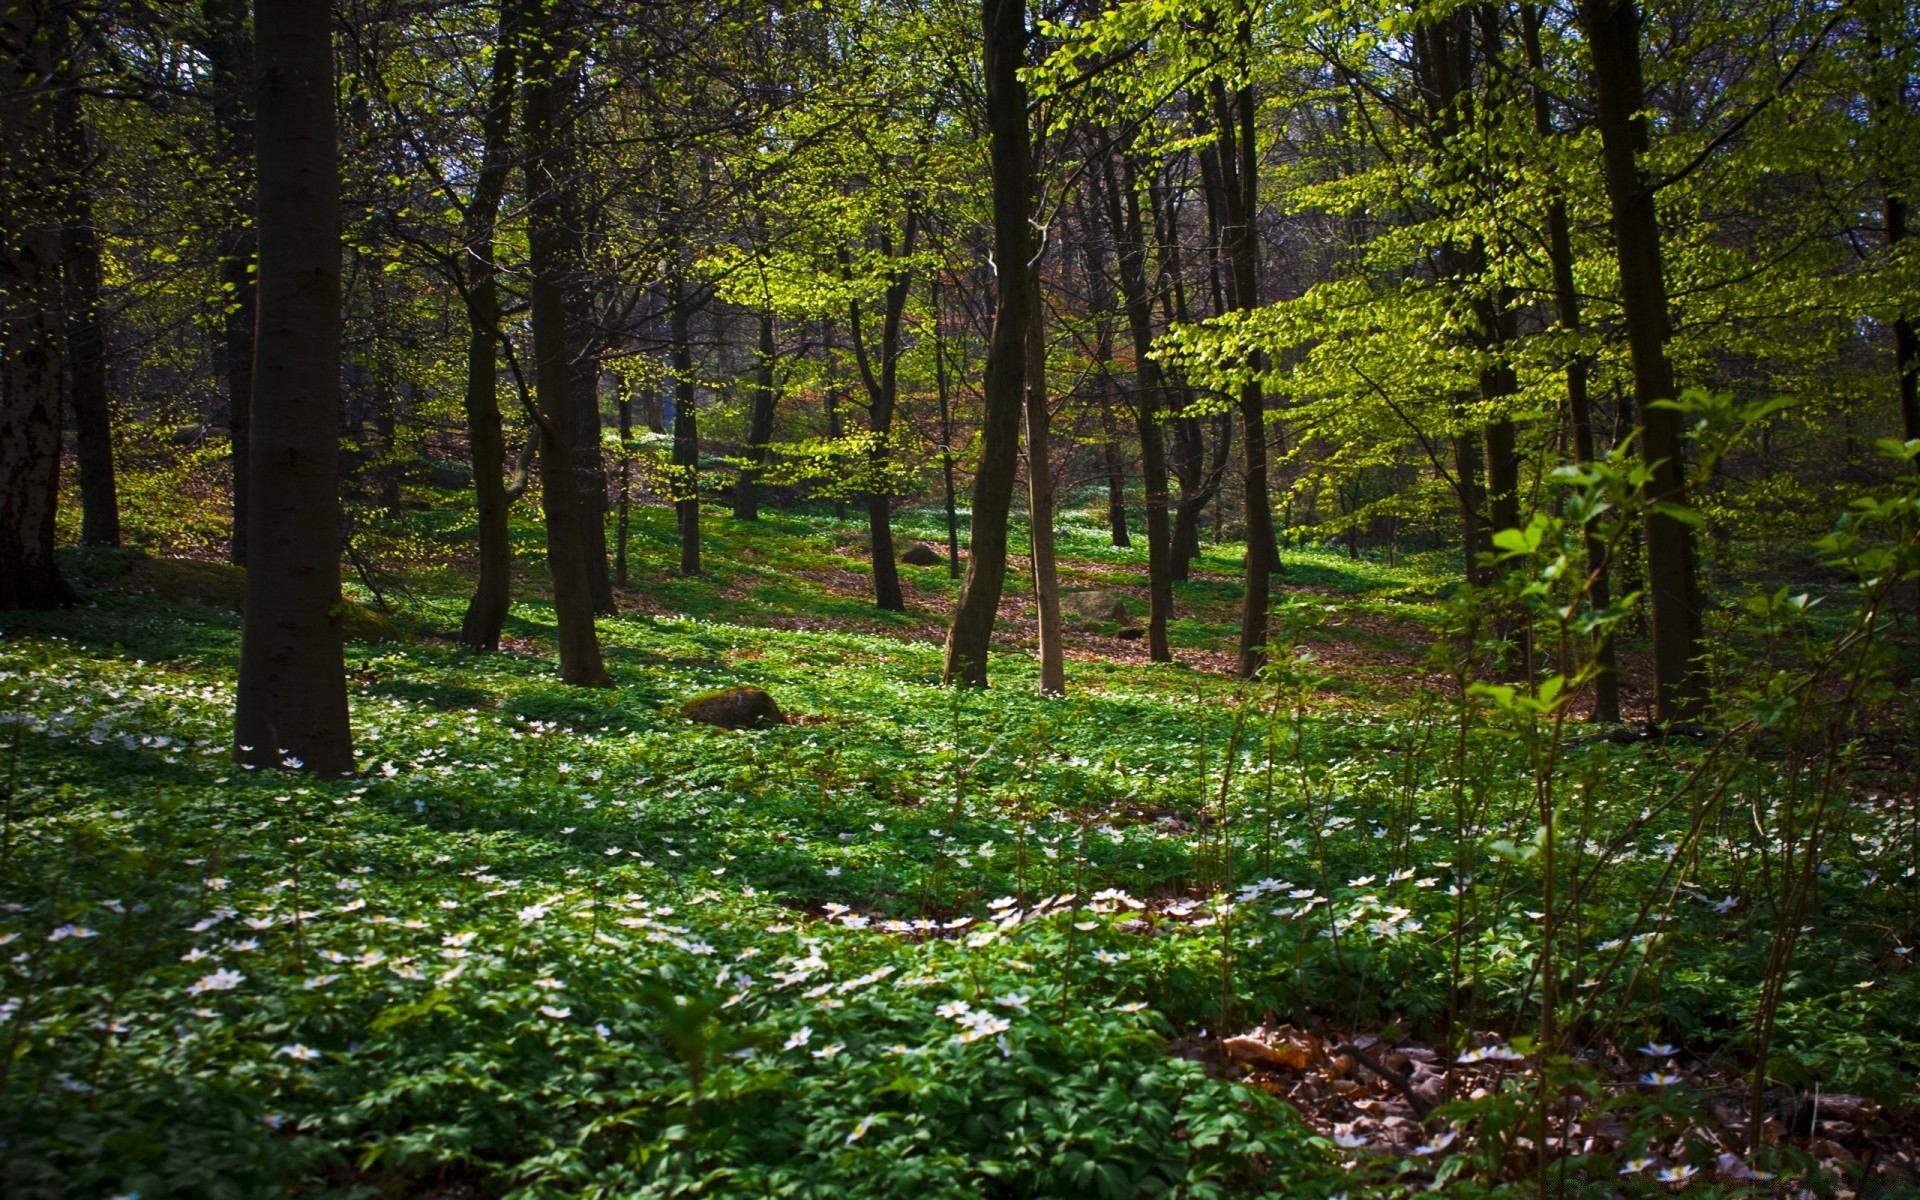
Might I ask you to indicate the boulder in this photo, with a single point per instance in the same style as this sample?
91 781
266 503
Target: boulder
1131 635
1094 606
744 707
223 585
921 555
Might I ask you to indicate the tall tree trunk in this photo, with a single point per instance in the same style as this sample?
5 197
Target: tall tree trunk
228 48
1117 531
686 430
1566 301
883 391
1122 204
1046 573
86 364
1613 37
746 490
549 276
493 592
291 704
583 359
1003 386
946 437
1239 159
30 303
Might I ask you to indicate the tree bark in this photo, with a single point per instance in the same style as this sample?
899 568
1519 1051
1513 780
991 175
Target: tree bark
883 393
492 594
1239 159
229 51
291 707
746 490
1004 383
550 273
1046 573
686 430
1122 204
946 436
1566 300
1613 37
30 304
86 335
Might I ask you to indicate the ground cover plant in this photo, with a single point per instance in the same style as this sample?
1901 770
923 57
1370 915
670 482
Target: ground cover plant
1172 934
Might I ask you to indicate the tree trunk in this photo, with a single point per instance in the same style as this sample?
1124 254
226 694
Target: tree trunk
228 49
946 437
1046 574
1613 36
1004 382
493 592
549 275
686 431
86 349
291 707
1566 300
1123 221
30 304
883 391
1239 160
746 490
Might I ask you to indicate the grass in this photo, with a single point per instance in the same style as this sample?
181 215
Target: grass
555 942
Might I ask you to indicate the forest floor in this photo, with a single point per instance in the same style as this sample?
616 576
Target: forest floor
912 942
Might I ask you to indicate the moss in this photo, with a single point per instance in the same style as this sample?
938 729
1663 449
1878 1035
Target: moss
744 707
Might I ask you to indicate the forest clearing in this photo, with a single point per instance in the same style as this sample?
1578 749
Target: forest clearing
959 598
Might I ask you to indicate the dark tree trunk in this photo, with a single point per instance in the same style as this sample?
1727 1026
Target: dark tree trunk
550 274
1566 300
1149 395
86 333
626 488
1239 159
1116 469
1040 500
1613 36
292 696
686 431
1004 383
30 304
228 48
746 490
946 437
492 594
883 393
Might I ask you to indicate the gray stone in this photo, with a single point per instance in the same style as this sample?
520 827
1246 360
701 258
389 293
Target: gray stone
1094 606
921 555
744 707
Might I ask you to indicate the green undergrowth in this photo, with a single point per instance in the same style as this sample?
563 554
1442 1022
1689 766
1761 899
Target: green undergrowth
915 942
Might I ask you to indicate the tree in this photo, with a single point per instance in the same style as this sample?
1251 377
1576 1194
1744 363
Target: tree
552 271
1003 387
291 707
30 305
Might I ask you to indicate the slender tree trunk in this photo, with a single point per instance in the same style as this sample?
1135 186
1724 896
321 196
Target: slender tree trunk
291 705
86 364
1117 531
228 48
1004 384
1149 397
1046 574
882 399
686 431
1239 158
1613 37
626 487
549 274
946 437
1566 301
492 594
589 459
1906 346
746 490
30 304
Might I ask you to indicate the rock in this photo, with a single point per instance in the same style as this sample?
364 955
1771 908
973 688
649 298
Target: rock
1094 606
1131 635
921 555
358 623
744 707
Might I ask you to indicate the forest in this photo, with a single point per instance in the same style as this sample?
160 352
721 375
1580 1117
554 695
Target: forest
959 598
